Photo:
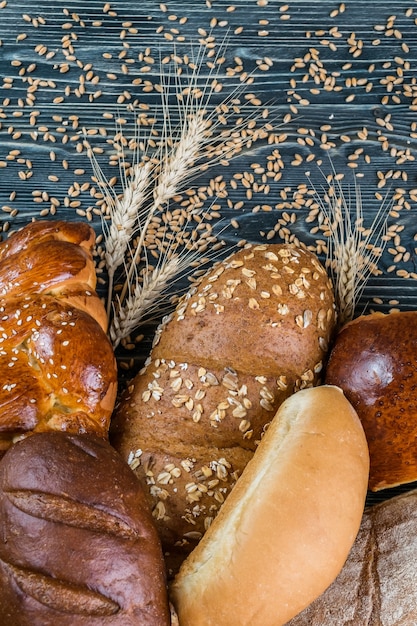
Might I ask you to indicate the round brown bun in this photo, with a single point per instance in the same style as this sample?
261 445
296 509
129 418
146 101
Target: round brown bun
286 529
78 546
374 361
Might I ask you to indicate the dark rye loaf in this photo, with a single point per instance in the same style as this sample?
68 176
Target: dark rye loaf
77 542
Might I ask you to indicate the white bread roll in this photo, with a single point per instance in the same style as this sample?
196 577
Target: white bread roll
286 529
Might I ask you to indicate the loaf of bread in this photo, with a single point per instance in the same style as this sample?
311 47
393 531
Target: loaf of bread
286 529
253 331
374 362
57 365
78 546
377 585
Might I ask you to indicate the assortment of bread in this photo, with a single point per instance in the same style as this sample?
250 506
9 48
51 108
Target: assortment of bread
58 367
245 460
374 362
252 332
285 531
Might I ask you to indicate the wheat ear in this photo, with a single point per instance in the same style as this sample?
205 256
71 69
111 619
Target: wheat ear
123 210
143 299
151 293
180 147
202 137
175 169
353 252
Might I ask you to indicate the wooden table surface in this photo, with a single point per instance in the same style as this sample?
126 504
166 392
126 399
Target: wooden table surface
334 83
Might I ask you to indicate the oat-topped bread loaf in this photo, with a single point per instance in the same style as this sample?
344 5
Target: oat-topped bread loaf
57 365
253 331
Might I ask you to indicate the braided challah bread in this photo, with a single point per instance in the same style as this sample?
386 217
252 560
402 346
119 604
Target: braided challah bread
57 365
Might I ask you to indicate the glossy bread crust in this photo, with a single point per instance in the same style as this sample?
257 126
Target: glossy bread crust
78 546
56 362
374 362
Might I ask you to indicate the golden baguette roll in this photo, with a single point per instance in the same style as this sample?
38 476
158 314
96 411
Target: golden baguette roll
286 529
254 330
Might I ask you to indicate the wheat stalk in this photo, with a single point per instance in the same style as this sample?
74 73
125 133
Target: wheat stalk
175 169
187 149
145 298
149 296
352 251
199 140
151 291
123 213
